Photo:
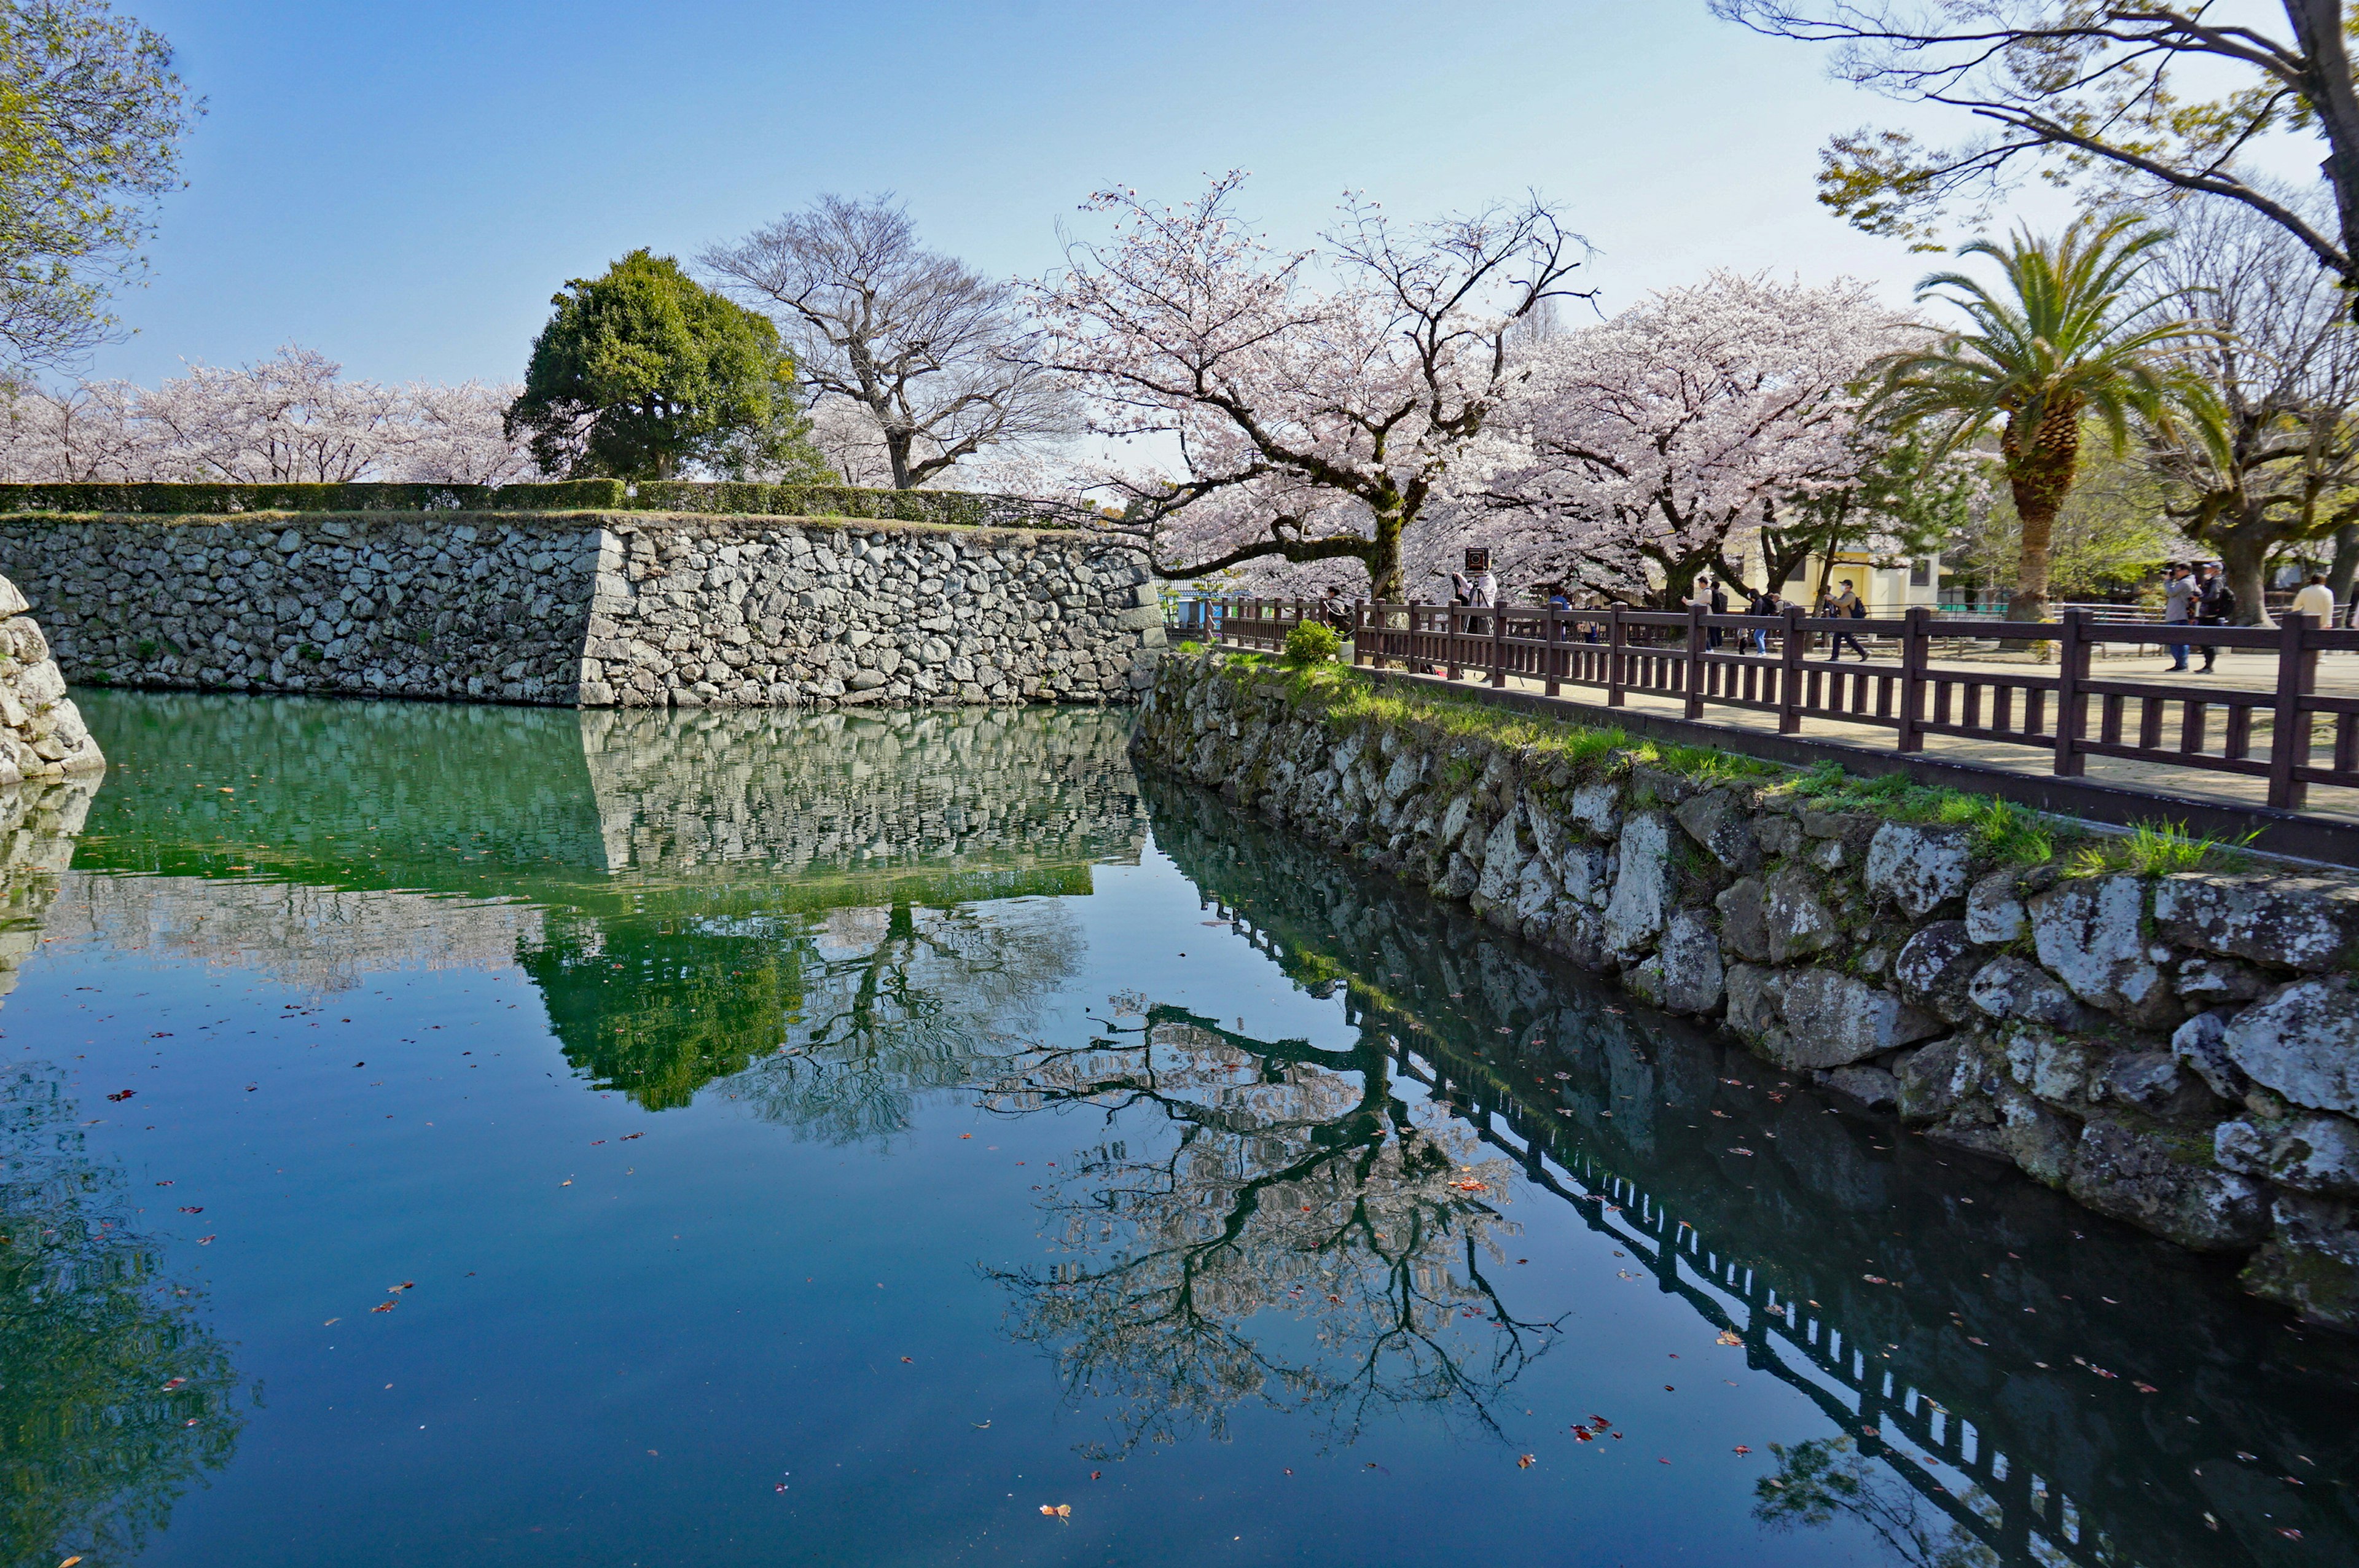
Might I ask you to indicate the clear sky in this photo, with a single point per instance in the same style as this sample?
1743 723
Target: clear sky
402 186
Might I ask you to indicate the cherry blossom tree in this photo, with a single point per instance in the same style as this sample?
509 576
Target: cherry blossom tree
1317 400
291 418
1640 452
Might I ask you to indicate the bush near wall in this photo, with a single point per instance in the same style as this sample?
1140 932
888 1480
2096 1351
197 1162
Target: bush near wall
957 507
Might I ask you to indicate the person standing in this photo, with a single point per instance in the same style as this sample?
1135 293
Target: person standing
2179 592
2316 601
1847 605
1763 604
2215 603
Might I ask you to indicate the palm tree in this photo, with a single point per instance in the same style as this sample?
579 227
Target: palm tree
2053 347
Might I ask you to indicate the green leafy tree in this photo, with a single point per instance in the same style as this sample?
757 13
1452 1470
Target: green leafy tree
1906 497
643 373
2055 347
2090 94
90 121
2112 536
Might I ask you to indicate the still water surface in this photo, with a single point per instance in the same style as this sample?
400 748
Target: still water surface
456 1135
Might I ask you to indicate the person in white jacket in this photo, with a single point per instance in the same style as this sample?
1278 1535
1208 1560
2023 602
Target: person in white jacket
2316 601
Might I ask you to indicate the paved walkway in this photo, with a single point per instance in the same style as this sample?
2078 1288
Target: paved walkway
2237 671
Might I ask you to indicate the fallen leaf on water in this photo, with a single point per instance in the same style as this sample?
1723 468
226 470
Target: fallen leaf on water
122 1094
1729 1338
1875 1279
1058 1511
385 1306
2143 1388
2290 1534
405 1285
961 1135
332 1323
69 1562
627 1137
1526 1463
204 1241
198 1209
1739 1448
596 1141
1094 1475
175 1383
909 1360
566 1183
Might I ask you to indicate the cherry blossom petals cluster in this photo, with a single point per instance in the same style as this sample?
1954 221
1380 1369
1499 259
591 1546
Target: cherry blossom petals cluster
291 418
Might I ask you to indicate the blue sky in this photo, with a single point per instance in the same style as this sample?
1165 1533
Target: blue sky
402 187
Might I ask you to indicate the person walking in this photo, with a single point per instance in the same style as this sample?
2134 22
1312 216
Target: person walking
2315 601
1848 606
1713 600
1764 604
2215 603
2179 592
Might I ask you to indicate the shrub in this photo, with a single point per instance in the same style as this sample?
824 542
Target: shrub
1313 642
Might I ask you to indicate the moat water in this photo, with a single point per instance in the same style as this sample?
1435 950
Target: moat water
475 1135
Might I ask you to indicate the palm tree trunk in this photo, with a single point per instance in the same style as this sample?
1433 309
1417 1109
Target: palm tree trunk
2039 473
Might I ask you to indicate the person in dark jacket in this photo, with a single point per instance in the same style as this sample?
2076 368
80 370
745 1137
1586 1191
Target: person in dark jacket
2215 603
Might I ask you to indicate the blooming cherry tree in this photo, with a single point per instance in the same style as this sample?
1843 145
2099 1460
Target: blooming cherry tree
1317 400
1639 451
291 418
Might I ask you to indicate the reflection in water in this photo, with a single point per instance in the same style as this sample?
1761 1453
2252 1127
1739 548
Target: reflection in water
2015 1380
1278 1179
694 892
113 1396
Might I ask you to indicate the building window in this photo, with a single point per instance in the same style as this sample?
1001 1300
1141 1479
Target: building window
1921 572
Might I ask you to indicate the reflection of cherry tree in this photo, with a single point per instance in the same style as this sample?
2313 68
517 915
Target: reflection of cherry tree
1296 1234
902 1000
1824 1477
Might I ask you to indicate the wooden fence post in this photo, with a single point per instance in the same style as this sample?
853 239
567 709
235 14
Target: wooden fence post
1695 661
1790 674
1613 696
1360 654
1499 646
2072 702
2290 726
1555 653
1916 641
1450 640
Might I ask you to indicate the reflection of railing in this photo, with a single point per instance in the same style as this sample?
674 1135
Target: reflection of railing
2021 1515
1867 1405
1726 661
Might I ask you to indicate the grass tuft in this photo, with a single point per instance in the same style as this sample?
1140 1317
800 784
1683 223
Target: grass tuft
2158 848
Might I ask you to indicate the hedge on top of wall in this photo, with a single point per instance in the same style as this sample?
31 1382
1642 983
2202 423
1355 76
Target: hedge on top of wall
571 495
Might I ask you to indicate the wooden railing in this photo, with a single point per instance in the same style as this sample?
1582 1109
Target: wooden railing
1791 666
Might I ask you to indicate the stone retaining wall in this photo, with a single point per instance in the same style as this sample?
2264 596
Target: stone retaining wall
594 609
2180 1052
42 737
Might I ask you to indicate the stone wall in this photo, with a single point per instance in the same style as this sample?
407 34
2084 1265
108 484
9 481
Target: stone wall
2179 1052
41 733
596 610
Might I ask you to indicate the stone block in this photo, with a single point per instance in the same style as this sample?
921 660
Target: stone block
2295 923
2302 1041
1832 1020
1918 867
2166 1185
2090 934
2317 1154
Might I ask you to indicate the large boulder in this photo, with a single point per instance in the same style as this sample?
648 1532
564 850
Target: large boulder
1744 920
1719 821
1918 867
2294 922
2009 988
1934 967
2302 1040
2312 1153
1642 888
1797 921
2090 934
2167 1184
1692 974
1832 1020
2311 1262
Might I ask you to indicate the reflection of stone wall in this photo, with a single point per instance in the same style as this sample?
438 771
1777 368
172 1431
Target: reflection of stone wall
885 793
1954 1292
2179 1051
38 823
318 939
563 608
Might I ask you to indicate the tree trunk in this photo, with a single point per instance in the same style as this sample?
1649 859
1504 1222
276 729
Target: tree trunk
1384 560
2040 465
2346 565
897 451
2241 560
